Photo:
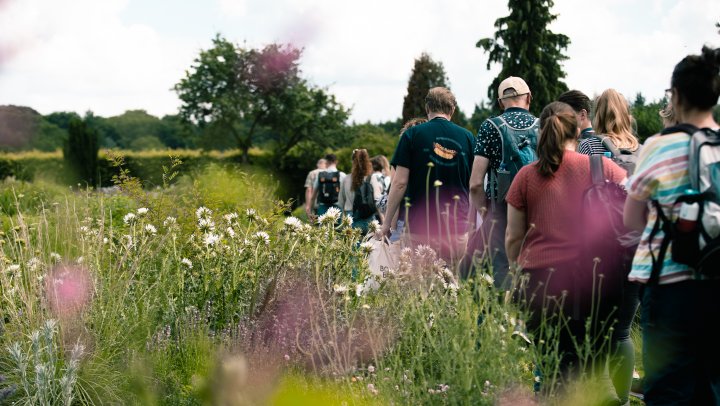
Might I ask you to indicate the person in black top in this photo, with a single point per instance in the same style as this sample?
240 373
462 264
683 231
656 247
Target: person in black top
433 165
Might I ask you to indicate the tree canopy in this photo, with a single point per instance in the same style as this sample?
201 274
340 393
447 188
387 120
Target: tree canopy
525 47
236 90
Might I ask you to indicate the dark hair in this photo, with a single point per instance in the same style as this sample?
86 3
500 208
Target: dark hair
440 100
361 167
557 126
380 164
577 100
331 158
696 79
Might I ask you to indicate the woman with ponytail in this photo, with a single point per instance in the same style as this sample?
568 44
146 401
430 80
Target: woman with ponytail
679 308
361 169
544 234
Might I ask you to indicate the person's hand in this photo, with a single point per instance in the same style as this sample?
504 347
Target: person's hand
310 215
383 232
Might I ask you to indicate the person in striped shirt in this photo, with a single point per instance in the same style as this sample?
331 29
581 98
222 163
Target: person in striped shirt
680 345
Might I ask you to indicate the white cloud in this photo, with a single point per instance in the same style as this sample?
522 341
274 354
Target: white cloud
78 55
234 8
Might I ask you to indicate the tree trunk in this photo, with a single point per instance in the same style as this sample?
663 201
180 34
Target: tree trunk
245 157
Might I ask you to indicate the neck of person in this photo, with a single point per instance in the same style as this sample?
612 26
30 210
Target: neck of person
432 115
570 146
698 118
517 105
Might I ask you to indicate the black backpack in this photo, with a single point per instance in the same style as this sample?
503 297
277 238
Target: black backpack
329 187
698 248
608 246
624 158
364 201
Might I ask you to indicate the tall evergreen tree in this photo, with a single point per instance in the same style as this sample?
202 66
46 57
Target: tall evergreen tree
425 75
525 47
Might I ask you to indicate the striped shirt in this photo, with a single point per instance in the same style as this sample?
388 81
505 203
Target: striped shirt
591 146
661 174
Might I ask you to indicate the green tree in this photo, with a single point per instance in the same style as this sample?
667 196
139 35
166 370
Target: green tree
238 91
525 47
81 151
425 75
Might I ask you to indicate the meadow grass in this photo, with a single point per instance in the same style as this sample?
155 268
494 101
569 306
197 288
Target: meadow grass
203 292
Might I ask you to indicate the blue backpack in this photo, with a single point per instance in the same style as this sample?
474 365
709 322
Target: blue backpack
519 146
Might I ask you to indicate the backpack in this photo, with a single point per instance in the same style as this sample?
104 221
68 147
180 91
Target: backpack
605 237
623 157
364 201
519 147
329 187
381 201
698 247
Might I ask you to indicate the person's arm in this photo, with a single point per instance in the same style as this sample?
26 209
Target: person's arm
342 196
477 183
635 214
309 199
515 233
397 193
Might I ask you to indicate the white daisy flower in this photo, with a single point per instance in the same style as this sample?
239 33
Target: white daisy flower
230 232
340 289
293 223
211 239
231 217
129 218
55 257
13 268
142 211
367 247
203 212
169 221
262 236
187 263
206 225
150 229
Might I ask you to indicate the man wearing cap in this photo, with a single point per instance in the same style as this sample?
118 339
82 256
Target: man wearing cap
504 144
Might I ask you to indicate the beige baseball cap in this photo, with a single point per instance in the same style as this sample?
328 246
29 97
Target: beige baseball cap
515 83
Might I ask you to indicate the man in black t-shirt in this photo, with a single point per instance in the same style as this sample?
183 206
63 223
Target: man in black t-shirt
433 163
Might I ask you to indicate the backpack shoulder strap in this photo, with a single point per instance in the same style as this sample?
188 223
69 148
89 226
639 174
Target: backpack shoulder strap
684 127
662 222
596 169
608 143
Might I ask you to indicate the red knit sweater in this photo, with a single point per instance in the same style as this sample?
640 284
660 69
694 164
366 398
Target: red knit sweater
553 207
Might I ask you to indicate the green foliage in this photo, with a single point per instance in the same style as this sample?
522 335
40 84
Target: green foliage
646 118
233 90
81 152
49 137
482 112
525 47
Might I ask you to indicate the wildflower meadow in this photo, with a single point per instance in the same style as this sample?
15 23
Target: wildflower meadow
205 291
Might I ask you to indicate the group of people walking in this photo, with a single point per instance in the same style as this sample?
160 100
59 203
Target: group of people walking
531 200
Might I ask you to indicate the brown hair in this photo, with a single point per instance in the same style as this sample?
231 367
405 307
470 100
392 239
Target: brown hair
412 123
613 119
440 100
558 126
380 164
361 167
577 100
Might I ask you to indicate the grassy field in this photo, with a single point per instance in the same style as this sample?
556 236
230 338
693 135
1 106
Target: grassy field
203 292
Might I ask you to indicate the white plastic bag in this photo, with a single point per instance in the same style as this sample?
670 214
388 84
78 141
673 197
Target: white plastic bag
383 257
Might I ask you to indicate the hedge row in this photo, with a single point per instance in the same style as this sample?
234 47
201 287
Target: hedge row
145 165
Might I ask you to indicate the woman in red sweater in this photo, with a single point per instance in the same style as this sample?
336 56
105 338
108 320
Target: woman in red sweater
544 237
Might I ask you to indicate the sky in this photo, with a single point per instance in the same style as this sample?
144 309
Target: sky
110 56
